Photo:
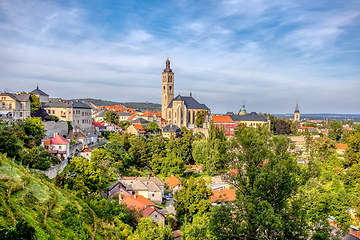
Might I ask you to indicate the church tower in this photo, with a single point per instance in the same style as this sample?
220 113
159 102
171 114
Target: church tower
297 113
167 89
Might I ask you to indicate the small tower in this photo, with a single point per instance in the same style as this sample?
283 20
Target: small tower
242 110
297 113
167 89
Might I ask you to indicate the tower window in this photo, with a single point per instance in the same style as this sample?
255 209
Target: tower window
170 87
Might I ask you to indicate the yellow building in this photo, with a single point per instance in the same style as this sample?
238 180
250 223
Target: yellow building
180 111
14 106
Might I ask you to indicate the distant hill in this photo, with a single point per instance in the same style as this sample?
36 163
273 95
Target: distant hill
351 117
141 106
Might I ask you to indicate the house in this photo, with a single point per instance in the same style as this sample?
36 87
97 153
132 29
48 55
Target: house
104 127
225 195
152 188
137 202
171 130
98 116
164 123
224 122
117 188
86 152
177 234
14 106
91 135
58 146
310 129
174 183
140 121
80 136
155 215
151 116
341 149
78 113
136 129
43 97
250 120
123 116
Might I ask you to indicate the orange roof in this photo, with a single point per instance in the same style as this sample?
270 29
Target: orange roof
341 146
173 181
347 128
221 119
233 172
139 128
224 195
132 117
164 120
86 149
137 201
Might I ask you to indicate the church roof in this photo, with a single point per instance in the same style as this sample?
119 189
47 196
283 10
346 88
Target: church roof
248 118
189 102
37 91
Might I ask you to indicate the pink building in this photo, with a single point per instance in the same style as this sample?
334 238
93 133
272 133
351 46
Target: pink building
226 122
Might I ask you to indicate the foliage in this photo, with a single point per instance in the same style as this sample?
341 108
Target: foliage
353 151
200 118
152 127
267 179
193 198
22 230
337 129
35 103
323 147
148 229
39 158
216 150
34 128
199 151
124 124
200 228
54 118
167 166
70 127
282 127
10 142
85 177
111 117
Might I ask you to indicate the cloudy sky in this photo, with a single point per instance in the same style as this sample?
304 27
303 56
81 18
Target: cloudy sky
265 53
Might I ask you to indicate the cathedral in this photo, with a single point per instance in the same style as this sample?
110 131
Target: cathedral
181 110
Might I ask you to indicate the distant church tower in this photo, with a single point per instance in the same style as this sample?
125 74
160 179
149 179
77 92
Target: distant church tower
167 89
297 113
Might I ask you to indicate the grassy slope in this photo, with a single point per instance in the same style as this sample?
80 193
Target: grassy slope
26 195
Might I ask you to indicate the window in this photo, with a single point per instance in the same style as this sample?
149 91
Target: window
82 113
83 121
153 195
20 114
3 105
59 147
21 106
53 111
10 106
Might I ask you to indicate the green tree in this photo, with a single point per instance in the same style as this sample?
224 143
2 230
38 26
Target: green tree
200 228
10 142
199 151
216 150
352 155
34 128
139 152
282 127
111 117
124 124
323 147
35 103
184 148
22 230
200 118
337 127
150 230
267 179
193 198
152 127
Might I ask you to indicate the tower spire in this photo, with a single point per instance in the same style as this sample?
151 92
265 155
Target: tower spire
297 107
167 69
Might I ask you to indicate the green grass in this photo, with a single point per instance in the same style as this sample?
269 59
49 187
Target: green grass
203 175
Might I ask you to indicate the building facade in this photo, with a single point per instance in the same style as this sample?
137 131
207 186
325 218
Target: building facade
78 113
180 111
14 106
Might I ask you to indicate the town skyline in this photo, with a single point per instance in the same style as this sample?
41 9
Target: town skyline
266 55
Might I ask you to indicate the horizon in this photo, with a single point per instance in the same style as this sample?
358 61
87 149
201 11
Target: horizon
262 53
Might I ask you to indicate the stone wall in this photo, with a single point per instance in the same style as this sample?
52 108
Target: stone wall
53 127
52 171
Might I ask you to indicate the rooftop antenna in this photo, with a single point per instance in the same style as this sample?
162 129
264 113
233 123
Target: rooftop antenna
167 56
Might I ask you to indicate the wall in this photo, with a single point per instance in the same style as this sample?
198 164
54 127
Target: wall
52 171
53 127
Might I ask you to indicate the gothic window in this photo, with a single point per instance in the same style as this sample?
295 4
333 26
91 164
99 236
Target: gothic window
164 88
170 87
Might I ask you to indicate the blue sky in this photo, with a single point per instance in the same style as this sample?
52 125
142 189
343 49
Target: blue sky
265 53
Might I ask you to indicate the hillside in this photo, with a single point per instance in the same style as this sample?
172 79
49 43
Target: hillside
53 212
142 106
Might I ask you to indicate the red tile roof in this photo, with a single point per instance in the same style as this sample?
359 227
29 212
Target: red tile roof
59 140
225 195
173 181
137 202
176 233
139 128
341 146
86 149
233 172
221 119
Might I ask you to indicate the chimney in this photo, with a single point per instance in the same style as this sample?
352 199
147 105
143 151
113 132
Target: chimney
190 94
56 134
